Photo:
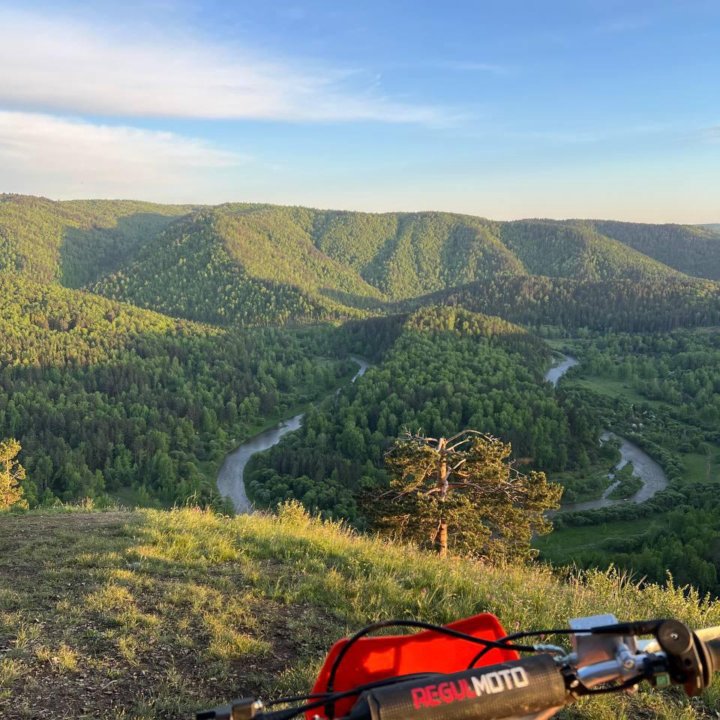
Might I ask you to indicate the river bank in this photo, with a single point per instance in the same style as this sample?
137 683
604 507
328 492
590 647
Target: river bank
652 475
230 482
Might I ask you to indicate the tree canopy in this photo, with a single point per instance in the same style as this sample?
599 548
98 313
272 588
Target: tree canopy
463 493
11 473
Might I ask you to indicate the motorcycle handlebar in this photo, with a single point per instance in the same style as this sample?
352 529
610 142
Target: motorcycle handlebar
520 687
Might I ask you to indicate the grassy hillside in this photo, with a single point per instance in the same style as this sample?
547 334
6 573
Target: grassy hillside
157 614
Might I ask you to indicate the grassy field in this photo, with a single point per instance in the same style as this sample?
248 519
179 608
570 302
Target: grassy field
561 546
155 614
612 388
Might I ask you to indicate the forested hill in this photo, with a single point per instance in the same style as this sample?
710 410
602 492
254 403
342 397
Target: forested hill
634 306
255 264
75 242
220 268
693 250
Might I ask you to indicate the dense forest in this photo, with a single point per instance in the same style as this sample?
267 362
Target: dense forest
267 265
105 397
139 343
447 369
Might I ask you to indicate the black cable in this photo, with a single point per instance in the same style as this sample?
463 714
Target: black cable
328 696
640 628
518 635
334 697
295 698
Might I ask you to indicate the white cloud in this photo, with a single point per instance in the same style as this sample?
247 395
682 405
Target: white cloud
65 158
68 67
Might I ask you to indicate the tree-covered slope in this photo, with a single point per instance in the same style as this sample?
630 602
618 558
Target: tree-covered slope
693 250
255 264
106 397
635 306
75 242
406 255
216 266
569 250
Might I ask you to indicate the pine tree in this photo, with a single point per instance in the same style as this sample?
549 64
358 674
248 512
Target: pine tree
462 493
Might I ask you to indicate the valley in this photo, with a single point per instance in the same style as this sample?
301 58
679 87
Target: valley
195 353
230 479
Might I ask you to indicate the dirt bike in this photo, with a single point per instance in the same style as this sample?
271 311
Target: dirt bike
472 670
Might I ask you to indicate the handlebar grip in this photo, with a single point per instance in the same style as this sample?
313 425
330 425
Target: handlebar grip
511 689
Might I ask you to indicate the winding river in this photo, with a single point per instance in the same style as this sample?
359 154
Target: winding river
230 481
231 484
652 475
554 374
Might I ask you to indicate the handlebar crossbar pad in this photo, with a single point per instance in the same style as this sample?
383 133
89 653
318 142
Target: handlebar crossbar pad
511 689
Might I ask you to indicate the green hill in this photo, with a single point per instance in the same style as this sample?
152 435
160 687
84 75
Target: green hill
693 250
75 242
575 251
153 615
263 264
405 255
198 269
635 306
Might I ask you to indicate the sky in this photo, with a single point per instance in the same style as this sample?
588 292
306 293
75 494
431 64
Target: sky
507 109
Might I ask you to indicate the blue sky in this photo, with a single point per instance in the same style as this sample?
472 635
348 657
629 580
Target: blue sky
501 109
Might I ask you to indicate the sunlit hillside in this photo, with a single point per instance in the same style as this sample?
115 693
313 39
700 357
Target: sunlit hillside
157 614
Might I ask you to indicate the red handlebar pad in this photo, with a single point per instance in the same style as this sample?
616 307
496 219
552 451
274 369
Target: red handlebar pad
376 658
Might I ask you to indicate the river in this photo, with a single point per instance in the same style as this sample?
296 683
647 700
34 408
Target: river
652 475
554 374
230 481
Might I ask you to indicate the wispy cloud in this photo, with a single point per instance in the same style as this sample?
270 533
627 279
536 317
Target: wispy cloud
63 158
67 67
711 134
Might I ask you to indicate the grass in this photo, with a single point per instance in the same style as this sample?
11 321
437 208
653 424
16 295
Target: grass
614 388
702 467
155 614
561 546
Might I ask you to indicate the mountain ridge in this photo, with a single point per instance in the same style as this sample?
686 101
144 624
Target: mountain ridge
250 263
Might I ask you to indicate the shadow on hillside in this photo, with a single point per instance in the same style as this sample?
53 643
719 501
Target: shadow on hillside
87 254
359 302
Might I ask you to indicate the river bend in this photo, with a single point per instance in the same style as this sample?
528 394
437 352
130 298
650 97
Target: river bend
230 479
652 475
